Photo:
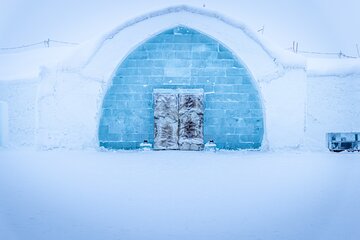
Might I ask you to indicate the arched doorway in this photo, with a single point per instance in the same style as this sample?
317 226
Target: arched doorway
182 58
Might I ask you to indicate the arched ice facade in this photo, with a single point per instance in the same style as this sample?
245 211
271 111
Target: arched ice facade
182 58
254 96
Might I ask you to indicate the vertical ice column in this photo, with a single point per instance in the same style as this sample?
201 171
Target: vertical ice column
191 119
4 123
166 121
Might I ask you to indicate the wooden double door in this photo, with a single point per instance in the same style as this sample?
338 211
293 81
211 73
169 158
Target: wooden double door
178 119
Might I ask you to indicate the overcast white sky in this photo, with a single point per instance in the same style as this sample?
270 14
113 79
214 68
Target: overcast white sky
322 25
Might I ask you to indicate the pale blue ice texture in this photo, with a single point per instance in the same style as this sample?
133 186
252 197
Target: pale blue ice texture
182 58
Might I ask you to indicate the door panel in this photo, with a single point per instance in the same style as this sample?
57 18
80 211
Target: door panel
178 119
166 120
191 119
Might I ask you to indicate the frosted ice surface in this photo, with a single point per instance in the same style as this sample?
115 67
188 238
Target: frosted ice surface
178 118
166 121
191 115
166 106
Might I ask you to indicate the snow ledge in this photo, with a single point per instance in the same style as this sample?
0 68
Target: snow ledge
287 59
319 67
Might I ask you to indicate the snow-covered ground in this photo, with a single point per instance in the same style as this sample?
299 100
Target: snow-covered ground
127 195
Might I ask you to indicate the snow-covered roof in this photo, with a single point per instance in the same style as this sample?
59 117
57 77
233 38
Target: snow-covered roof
286 58
27 64
24 65
322 67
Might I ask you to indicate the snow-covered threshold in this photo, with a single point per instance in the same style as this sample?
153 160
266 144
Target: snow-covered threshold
156 195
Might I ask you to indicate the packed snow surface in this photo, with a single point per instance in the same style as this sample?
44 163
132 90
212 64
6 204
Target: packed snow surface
179 195
321 67
22 65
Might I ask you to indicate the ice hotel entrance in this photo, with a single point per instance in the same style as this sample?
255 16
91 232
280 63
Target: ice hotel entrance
178 90
178 119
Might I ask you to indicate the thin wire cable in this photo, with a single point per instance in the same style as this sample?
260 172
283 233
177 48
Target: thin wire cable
22 46
46 43
338 54
63 42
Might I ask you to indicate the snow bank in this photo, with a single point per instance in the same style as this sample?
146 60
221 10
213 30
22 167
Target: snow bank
333 87
332 106
20 95
68 111
321 67
4 123
280 56
27 64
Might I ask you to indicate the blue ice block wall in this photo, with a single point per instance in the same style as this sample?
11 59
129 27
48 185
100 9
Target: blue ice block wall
182 58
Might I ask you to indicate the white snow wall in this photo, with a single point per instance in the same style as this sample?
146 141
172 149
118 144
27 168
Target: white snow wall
20 98
4 123
333 105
